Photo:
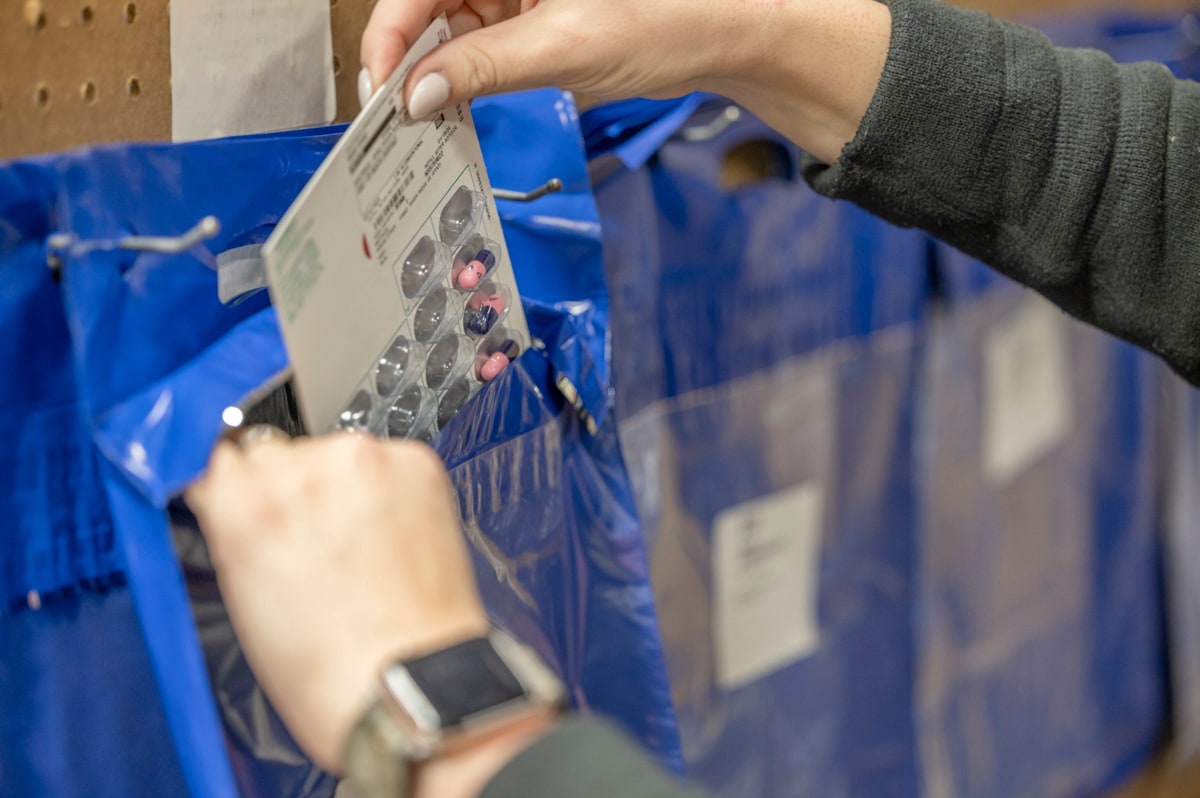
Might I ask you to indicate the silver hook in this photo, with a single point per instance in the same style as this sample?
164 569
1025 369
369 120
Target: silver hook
549 187
206 228
60 243
710 130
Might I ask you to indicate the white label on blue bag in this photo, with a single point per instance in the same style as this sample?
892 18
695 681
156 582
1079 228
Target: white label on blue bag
766 556
335 260
1027 411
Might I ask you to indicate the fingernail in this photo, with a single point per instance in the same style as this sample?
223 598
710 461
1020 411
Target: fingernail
431 93
365 89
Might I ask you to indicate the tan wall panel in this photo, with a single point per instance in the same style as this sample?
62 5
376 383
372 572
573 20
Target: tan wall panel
51 50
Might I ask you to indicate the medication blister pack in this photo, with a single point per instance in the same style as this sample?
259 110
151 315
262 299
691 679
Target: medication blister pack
389 273
459 330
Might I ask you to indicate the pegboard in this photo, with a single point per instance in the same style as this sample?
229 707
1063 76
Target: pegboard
75 72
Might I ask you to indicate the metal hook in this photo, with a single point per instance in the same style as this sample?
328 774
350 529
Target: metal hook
60 243
549 187
206 228
710 130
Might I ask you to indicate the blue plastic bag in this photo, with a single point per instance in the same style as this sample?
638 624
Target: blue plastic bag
1182 566
1039 607
157 358
765 345
71 653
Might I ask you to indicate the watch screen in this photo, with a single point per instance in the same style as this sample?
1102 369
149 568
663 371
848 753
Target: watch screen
465 679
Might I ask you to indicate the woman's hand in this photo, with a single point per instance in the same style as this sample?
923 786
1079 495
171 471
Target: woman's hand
333 556
605 48
807 67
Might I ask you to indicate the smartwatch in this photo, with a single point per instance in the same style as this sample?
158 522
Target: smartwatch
443 701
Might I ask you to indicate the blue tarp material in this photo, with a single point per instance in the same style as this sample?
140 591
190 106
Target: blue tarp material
125 389
765 347
76 715
1039 611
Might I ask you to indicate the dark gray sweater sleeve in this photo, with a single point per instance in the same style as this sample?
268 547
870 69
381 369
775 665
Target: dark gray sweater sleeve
1068 173
584 759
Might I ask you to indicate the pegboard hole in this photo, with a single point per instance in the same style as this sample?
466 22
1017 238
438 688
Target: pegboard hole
133 88
35 15
130 13
337 65
86 15
87 92
333 3
41 97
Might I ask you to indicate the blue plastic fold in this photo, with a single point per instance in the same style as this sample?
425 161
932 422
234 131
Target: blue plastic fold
634 130
573 584
79 717
58 532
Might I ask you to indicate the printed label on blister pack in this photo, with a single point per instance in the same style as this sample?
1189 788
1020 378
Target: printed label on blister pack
341 257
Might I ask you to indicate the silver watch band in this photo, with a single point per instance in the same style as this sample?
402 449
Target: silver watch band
402 726
377 763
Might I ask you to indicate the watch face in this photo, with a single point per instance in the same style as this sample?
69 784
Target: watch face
464 680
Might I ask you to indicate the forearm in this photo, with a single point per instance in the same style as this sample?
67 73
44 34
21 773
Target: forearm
1070 174
811 70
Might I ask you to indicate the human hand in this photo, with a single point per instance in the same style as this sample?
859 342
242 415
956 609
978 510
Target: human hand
335 555
604 48
808 68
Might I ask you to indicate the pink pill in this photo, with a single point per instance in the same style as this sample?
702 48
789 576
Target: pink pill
492 367
469 276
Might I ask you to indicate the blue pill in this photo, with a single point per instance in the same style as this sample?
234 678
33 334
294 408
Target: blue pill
509 348
482 320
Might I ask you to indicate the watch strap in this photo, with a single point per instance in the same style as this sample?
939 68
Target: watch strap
377 762
382 747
